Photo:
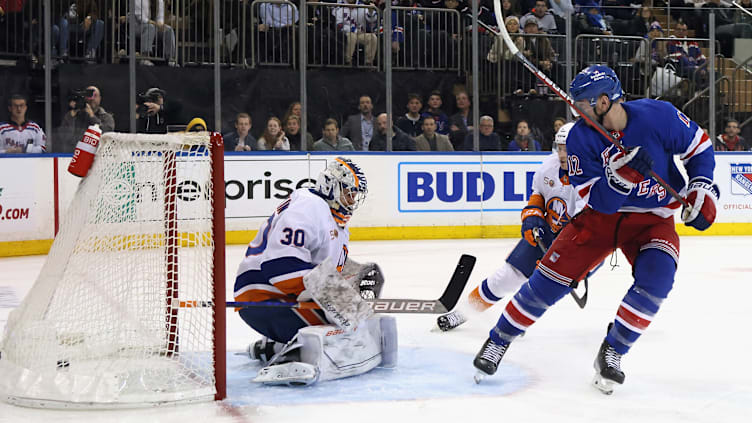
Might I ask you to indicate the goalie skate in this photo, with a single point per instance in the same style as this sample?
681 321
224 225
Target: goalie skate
294 373
450 320
607 369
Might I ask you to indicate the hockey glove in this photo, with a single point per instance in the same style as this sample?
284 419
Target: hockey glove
532 219
371 281
702 195
626 170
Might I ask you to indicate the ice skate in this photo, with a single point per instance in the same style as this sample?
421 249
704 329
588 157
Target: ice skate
607 369
262 350
488 359
450 320
294 373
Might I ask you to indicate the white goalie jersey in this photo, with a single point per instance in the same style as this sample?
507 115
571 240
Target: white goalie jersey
553 193
300 235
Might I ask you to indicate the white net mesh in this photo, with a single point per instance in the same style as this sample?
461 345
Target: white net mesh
103 324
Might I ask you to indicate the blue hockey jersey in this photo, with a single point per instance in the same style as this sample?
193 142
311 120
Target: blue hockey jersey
663 132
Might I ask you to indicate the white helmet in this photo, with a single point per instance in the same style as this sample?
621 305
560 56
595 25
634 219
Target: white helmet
561 135
342 174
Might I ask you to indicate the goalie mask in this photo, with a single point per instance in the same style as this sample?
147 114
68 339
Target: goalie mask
343 185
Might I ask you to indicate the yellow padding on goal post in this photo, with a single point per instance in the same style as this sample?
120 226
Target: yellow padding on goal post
34 247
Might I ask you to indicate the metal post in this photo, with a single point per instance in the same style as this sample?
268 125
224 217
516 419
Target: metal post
303 61
132 64
711 76
569 58
217 81
476 76
48 73
387 34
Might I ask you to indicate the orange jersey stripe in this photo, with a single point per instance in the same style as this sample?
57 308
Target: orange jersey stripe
293 286
476 302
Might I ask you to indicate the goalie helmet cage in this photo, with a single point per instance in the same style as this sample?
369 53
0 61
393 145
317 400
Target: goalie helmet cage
102 326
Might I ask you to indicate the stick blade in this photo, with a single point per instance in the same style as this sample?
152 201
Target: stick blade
457 283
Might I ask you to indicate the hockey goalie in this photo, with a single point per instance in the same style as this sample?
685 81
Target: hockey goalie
300 255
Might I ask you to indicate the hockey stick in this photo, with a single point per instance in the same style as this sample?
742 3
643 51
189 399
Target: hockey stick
564 96
444 304
581 301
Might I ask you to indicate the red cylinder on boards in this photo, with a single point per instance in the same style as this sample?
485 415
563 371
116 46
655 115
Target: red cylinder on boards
85 151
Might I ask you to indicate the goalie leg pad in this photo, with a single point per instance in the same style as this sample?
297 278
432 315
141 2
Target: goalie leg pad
340 301
338 354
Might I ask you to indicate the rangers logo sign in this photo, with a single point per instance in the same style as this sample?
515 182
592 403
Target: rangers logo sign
741 175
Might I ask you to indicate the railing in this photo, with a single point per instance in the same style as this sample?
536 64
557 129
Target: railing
740 104
628 56
344 35
273 34
426 38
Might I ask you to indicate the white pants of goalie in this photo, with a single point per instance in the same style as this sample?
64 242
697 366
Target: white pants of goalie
328 352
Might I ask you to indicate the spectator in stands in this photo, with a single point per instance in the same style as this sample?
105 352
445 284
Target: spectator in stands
411 123
524 141
83 20
358 24
434 110
730 139
292 131
488 140
510 8
150 23
499 50
444 34
658 50
726 27
461 122
557 123
155 113
686 56
273 137
18 135
591 21
240 139
545 20
638 25
275 31
562 8
81 116
331 140
14 16
537 49
359 127
400 140
430 140
295 108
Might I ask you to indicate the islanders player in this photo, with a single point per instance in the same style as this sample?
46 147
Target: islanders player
551 204
298 256
624 209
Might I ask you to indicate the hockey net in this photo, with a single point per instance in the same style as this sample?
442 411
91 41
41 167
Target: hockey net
103 326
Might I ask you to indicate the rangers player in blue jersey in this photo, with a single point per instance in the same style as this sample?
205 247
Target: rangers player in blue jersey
624 209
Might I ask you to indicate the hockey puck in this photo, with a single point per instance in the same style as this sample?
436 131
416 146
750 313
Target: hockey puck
63 363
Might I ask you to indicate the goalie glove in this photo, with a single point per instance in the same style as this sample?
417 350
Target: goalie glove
532 221
702 195
627 169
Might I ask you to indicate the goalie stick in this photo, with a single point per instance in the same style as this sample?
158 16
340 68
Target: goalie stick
444 304
581 301
564 96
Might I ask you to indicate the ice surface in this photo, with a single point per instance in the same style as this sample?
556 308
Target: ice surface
691 365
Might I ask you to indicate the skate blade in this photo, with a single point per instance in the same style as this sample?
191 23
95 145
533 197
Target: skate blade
479 376
606 386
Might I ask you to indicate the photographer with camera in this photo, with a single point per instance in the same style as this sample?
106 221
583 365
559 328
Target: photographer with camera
85 110
155 113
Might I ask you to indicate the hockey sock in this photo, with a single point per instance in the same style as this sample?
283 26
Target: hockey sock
527 305
654 276
481 298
